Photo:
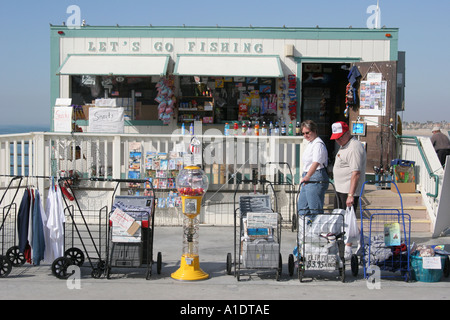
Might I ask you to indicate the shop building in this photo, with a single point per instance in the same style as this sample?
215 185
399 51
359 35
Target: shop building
220 75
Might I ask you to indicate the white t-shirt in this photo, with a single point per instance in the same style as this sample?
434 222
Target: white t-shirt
350 157
315 151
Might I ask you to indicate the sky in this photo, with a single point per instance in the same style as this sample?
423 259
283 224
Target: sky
424 31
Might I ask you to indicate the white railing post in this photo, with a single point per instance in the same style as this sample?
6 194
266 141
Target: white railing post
116 157
38 155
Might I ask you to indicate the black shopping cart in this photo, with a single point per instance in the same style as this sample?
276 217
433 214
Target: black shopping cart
78 231
257 232
320 241
10 255
131 232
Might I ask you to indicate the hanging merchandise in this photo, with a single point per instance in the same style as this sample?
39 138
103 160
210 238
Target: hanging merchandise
40 232
55 223
351 98
292 92
134 166
38 236
23 222
166 99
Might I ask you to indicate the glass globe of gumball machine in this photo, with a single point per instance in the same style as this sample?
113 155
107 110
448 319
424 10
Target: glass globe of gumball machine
192 184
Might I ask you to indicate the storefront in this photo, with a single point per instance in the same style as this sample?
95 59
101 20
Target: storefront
164 77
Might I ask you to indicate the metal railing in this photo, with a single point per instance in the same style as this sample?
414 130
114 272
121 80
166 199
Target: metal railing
226 160
429 171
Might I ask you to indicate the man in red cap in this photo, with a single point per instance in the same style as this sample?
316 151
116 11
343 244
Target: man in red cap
349 169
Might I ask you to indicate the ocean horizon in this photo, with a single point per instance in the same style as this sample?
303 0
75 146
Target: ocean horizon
11 129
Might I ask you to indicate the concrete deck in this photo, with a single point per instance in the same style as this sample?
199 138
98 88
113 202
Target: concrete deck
37 282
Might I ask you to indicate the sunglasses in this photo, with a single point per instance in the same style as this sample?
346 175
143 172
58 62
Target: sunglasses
305 133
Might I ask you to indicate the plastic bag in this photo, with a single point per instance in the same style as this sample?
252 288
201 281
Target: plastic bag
350 226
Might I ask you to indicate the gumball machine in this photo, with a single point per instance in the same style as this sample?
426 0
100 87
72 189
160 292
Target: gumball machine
192 184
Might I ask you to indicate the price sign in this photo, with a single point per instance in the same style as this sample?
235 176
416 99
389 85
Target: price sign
320 261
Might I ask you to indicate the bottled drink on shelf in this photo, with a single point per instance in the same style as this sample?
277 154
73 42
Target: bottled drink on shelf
244 128
235 128
298 132
291 129
226 131
249 129
283 129
263 129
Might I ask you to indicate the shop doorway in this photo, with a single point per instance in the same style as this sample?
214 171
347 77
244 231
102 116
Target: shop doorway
323 97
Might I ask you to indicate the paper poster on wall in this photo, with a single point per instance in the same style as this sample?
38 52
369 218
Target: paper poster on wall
62 119
373 95
107 120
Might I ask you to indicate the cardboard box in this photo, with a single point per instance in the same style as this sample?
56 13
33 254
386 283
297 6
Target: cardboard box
86 111
404 187
146 112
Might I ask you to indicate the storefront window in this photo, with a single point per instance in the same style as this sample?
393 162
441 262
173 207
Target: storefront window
130 92
232 98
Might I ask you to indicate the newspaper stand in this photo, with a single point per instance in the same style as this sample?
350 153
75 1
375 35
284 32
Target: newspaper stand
320 241
384 241
130 232
257 233
10 255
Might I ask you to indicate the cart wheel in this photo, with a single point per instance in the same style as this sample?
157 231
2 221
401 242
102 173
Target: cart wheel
76 255
342 271
446 270
280 268
59 267
354 265
5 266
15 256
407 276
159 263
300 269
101 265
291 265
229 263
108 272
96 273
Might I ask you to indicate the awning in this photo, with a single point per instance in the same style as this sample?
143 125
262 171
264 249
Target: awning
123 65
229 66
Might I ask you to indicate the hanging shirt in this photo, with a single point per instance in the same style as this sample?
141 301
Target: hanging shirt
55 222
38 239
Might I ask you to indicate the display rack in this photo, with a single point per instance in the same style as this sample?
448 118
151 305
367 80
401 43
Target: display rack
196 108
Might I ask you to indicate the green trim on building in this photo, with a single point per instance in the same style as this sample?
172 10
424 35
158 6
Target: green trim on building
167 32
227 32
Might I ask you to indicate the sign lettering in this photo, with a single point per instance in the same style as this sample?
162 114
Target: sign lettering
105 46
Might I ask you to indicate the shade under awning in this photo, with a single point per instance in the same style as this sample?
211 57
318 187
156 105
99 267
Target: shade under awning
229 66
124 65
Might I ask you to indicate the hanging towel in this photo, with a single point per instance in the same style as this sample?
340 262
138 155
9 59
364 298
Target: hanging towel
38 238
23 221
353 75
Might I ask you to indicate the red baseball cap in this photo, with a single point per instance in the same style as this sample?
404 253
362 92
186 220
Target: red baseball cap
338 129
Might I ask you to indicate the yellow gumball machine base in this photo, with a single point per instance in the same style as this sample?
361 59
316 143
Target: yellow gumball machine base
190 269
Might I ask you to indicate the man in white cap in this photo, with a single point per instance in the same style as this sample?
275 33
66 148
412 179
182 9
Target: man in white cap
349 170
441 144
